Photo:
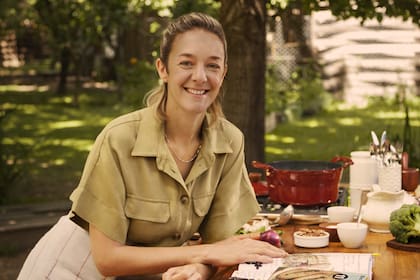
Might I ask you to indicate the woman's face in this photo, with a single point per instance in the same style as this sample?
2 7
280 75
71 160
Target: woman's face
195 71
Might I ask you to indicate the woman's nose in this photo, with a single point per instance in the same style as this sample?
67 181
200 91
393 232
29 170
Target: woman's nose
199 74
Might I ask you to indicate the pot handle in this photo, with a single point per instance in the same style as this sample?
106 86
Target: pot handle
345 160
261 165
404 160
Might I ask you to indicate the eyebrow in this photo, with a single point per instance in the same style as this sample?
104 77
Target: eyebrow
213 57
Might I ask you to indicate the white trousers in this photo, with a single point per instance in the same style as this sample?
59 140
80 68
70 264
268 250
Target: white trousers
63 253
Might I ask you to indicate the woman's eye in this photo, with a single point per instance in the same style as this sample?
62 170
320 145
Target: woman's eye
185 63
214 66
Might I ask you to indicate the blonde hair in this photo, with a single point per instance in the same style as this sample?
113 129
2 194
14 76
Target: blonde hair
178 26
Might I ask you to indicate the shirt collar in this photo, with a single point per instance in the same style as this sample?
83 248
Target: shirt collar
150 136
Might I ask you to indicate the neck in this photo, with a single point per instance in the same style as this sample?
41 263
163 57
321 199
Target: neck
183 131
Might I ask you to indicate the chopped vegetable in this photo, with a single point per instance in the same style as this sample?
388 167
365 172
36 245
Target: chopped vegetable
271 236
256 226
405 223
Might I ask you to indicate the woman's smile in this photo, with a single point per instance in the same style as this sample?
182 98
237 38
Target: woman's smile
196 91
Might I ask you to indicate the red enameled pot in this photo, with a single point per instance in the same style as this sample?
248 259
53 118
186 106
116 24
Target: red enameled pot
304 182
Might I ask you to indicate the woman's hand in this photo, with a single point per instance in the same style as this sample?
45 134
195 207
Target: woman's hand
194 271
243 248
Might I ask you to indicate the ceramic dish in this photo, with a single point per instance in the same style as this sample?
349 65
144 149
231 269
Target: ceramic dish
311 238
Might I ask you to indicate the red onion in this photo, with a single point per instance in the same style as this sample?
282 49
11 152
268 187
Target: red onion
272 237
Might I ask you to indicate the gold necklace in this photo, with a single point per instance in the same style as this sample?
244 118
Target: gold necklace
177 157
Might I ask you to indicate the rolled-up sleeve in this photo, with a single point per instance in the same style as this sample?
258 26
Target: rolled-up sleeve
100 197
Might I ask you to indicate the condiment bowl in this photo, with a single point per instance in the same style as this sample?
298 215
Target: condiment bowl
352 235
311 238
340 214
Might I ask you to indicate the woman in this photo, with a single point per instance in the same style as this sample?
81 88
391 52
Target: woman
156 176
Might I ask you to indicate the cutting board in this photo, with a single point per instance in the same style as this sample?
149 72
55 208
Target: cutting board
413 247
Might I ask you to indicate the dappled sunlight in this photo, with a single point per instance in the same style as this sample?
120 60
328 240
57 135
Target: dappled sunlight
80 145
66 124
278 151
287 140
22 140
349 121
24 88
388 115
415 123
55 162
332 130
72 143
312 141
282 139
312 123
68 100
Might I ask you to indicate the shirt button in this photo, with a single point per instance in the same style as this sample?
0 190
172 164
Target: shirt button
184 199
176 236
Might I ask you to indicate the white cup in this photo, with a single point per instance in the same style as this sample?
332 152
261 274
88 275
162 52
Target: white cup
340 214
352 235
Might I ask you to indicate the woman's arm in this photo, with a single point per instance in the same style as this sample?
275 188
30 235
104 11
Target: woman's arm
113 258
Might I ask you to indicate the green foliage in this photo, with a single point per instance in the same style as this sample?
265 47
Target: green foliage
12 156
362 10
301 95
135 81
210 7
405 223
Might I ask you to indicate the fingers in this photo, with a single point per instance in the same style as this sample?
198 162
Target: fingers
269 250
186 272
181 276
252 235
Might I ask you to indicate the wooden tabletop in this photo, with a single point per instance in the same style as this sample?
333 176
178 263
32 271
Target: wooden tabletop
388 263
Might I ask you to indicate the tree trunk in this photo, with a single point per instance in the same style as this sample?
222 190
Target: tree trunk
65 57
244 100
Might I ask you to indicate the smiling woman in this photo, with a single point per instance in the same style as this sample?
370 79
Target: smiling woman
156 176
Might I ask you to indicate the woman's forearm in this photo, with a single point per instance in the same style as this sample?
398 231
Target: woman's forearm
113 258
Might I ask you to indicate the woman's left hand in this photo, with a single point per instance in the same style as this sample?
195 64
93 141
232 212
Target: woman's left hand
196 271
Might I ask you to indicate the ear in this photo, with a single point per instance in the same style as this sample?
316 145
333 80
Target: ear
224 74
161 69
225 71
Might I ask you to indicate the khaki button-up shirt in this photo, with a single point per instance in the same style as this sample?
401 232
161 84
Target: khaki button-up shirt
132 190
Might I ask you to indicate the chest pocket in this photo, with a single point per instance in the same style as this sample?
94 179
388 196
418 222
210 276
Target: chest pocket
150 220
202 204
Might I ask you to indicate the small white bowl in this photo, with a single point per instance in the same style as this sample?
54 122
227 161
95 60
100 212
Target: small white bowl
352 235
301 239
340 214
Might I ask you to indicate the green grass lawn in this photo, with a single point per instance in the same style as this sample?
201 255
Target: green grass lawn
59 135
338 132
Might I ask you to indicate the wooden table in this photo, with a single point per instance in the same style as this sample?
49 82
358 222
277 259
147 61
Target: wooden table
389 263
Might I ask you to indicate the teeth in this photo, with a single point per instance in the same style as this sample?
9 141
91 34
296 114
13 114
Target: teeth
196 92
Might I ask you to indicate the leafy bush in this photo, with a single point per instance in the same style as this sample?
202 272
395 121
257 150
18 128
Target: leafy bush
135 80
302 95
12 156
